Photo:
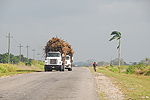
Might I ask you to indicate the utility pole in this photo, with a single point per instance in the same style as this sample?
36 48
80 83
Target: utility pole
9 47
38 56
27 52
111 61
34 53
20 51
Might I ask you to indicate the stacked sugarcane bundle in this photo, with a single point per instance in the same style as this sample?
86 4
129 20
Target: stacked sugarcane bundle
56 44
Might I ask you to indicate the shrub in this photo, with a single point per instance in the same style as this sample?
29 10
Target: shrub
28 64
107 66
41 63
137 69
140 66
21 64
148 73
130 69
111 68
3 69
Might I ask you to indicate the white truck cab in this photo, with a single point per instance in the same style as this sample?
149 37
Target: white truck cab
53 60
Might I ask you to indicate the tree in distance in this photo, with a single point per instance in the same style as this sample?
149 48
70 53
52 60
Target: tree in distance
116 35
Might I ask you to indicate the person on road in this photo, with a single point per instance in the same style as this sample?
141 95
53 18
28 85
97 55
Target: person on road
94 65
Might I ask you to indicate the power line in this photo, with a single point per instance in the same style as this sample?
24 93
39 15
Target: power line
13 49
15 40
13 46
3 34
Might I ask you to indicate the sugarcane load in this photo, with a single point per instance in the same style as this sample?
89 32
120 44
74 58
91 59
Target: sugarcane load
59 55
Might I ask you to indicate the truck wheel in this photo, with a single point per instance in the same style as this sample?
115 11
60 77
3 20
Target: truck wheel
61 68
50 70
45 68
58 68
70 69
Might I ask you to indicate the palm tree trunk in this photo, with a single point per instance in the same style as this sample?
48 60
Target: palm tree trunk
119 53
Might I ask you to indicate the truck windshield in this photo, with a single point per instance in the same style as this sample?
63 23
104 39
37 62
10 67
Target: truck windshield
53 55
67 58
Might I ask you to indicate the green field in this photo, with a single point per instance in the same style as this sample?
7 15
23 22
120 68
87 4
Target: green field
10 69
134 86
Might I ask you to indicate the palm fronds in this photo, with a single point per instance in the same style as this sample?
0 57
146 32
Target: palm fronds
116 35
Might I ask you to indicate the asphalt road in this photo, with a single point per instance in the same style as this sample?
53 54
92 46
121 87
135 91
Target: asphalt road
75 85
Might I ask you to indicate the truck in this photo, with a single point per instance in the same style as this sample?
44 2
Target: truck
53 61
68 63
59 55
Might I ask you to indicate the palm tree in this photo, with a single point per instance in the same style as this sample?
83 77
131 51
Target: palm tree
116 35
147 59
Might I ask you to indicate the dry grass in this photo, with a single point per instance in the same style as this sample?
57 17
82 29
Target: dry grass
10 69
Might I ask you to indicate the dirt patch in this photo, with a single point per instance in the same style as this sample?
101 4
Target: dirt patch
107 87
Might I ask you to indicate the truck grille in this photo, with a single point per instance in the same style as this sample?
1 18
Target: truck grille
53 61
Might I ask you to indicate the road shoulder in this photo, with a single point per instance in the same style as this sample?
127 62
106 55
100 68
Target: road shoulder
106 88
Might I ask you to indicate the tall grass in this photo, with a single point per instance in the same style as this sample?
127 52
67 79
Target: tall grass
139 69
10 69
5 68
38 64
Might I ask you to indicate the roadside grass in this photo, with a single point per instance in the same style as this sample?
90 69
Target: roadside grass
139 69
135 87
17 72
10 69
5 68
102 96
39 64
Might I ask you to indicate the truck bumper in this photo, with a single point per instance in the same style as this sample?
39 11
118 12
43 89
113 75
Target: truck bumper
51 67
67 67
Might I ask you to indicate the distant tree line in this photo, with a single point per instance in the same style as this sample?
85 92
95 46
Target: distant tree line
13 59
115 61
146 61
103 63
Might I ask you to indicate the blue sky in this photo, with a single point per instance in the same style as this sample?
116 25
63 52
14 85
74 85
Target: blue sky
85 24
